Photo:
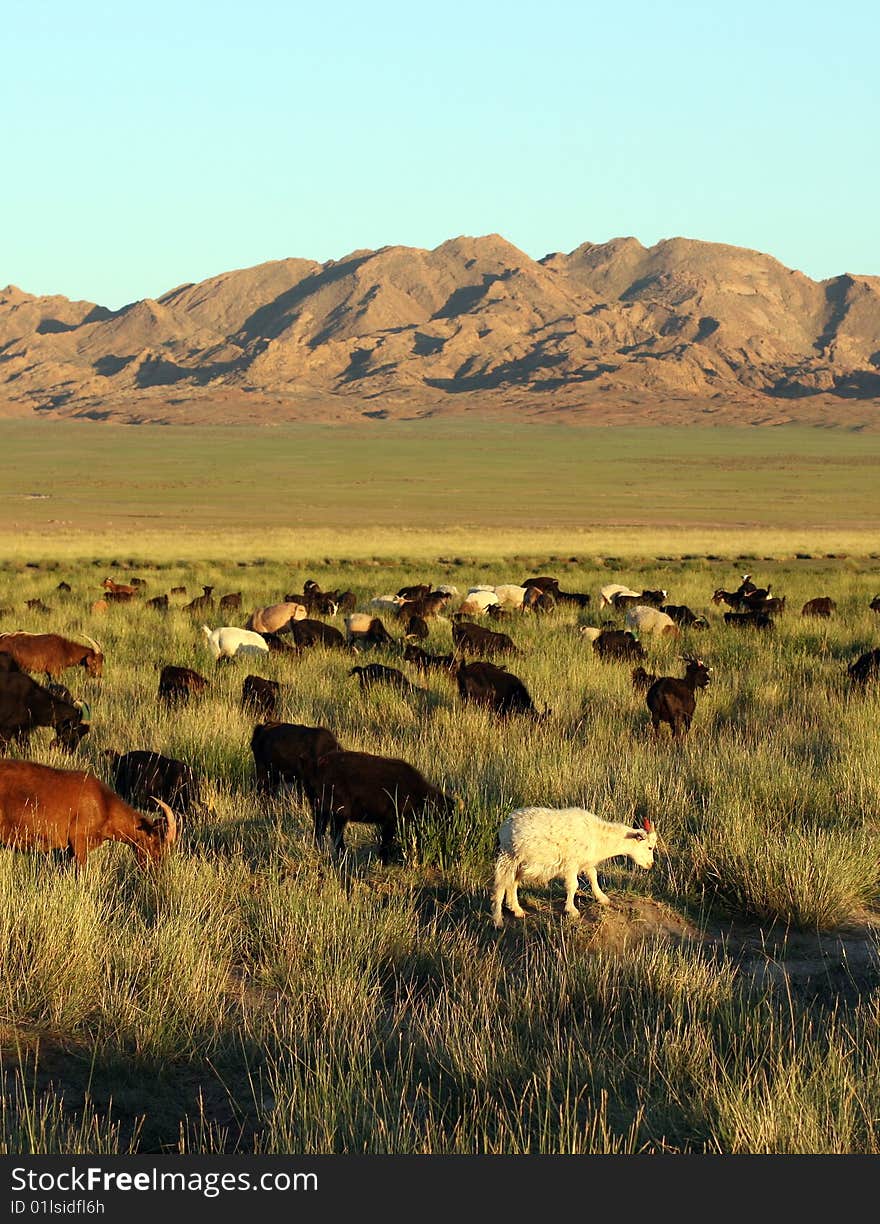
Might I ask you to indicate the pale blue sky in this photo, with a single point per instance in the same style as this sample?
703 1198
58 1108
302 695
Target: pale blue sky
148 145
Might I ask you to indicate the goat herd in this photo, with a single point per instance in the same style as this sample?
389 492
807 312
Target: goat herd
70 810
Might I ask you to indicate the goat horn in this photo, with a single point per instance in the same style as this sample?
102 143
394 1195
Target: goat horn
171 831
647 824
92 643
85 709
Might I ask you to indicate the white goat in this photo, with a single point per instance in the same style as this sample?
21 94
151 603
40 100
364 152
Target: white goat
275 617
589 632
510 595
645 619
607 593
229 641
477 602
386 603
538 845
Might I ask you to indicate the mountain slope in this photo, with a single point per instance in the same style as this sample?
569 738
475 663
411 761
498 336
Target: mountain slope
475 323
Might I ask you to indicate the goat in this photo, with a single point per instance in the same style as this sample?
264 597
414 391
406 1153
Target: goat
288 752
177 683
645 619
230 602
228 642
260 696
361 627
618 644
475 639
203 602
119 588
52 654
502 692
748 620
368 789
866 667
538 844
642 680
316 633
417 629
276 617
607 593
424 661
682 615
141 777
673 701
375 673
822 605
58 809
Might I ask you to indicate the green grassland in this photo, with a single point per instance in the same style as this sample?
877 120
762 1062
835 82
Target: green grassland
416 489
250 995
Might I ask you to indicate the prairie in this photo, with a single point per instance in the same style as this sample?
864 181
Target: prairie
251 995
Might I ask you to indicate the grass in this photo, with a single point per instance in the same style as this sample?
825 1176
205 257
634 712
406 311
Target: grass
422 488
252 996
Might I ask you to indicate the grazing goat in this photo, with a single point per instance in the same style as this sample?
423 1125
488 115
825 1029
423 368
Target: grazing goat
874 605
673 701
642 680
618 644
260 696
538 844
26 705
682 615
363 628
866 667
141 777
316 633
359 787
425 661
625 599
473 639
607 593
177 683
51 653
159 602
749 620
228 642
417 629
288 752
203 602
119 588
275 618
230 602
427 606
375 673
488 685
59 809
477 601
822 605
536 600
645 619
414 592
543 583
386 603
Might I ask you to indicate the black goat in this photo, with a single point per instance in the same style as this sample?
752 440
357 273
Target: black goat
673 701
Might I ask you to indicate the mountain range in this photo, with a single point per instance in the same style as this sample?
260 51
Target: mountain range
680 331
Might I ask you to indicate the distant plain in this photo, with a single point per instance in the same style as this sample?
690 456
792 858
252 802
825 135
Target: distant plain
415 489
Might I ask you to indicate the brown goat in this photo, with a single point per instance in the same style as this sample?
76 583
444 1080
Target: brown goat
51 653
64 809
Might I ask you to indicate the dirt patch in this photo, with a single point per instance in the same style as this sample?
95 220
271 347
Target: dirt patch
624 923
